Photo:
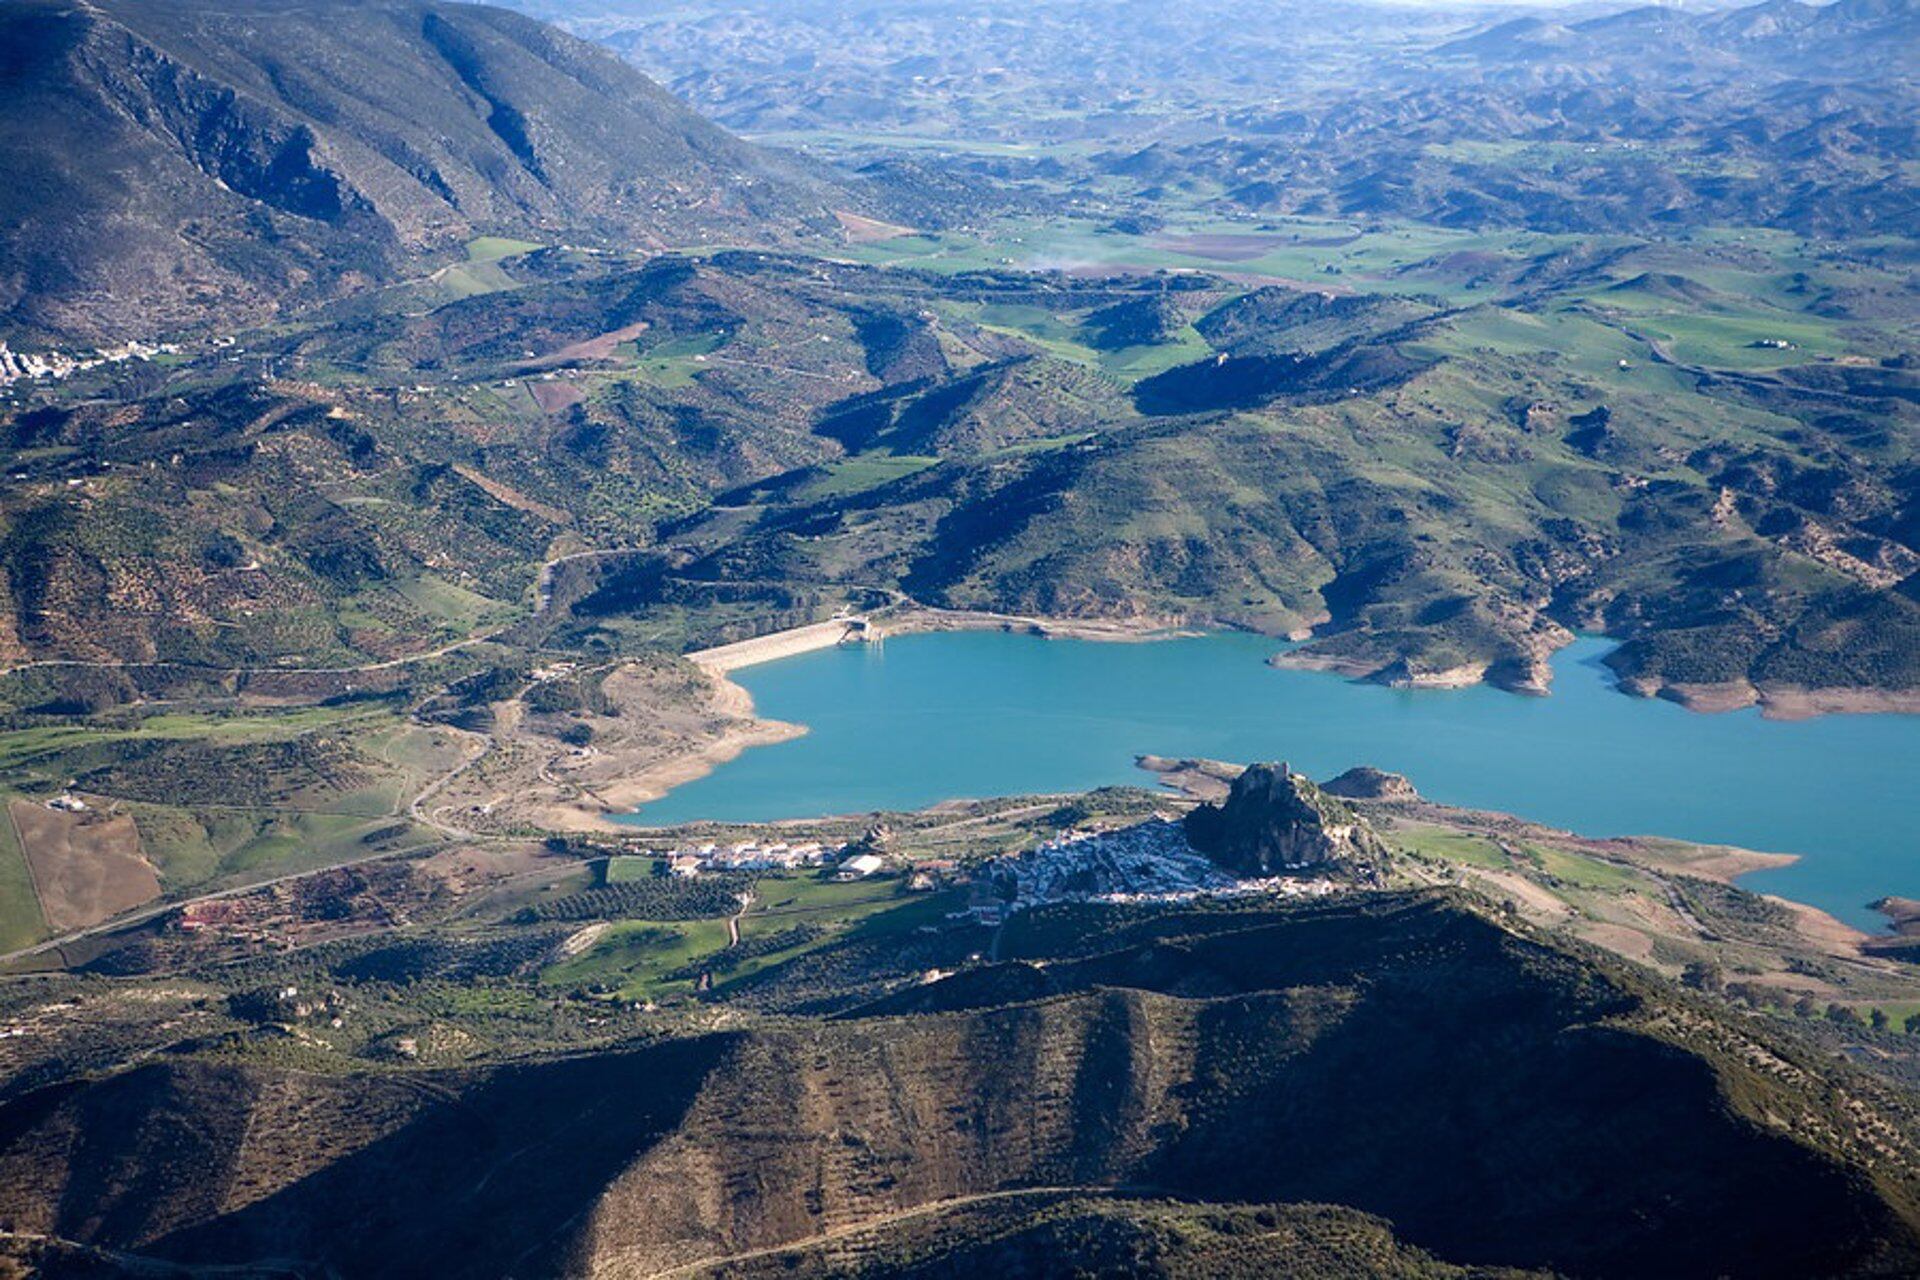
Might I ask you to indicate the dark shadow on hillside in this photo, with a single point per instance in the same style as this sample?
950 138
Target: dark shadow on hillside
1423 1065
493 1179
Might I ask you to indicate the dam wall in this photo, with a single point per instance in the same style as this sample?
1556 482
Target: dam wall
778 644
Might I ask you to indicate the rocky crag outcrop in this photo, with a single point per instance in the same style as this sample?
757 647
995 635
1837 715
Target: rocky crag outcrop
1275 821
1364 782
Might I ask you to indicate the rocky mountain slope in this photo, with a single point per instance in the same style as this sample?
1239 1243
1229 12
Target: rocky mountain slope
1498 1101
172 162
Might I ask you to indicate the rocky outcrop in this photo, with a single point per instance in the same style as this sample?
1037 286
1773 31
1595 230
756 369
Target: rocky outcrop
1365 782
1276 821
1903 944
1902 913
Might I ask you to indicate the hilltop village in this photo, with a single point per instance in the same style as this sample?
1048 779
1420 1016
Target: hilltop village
1146 862
1149 862
1153 861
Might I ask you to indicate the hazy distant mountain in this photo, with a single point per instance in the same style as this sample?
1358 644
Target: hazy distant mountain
1575 119
1848 40
165 157
1779 114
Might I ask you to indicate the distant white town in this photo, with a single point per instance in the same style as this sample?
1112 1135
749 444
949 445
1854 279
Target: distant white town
749 855
31 366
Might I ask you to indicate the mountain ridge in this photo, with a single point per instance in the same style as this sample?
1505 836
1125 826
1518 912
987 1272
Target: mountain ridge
1271 1055
176 162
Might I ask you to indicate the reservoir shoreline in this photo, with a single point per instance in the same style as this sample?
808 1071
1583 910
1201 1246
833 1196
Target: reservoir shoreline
603 807
1775 701
985 714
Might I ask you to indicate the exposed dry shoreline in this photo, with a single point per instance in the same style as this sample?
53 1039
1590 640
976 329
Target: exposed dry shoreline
1724 864
653 780
1117 630
1902 913
1776 701
1780 701
1461 677
669 723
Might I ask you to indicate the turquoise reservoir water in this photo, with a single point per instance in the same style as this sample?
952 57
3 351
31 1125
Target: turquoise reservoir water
975 713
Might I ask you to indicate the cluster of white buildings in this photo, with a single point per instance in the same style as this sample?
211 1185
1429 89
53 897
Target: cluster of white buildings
750 855
1148 862
27 366
1270 886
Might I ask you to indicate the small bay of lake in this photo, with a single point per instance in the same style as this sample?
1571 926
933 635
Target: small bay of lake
925 718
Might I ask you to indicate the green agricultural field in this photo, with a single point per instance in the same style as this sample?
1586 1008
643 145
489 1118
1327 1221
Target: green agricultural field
479 275
916 251
1131 364
1580 344
454 607
44 751
622 869
858 474
1732 341
808 895
1586 873
222 798
473 280
20 922
494 248
1037 323
1046 330
1336 254
199 848
916 911
830 911
1449 846
671 364
634 955
1061 334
